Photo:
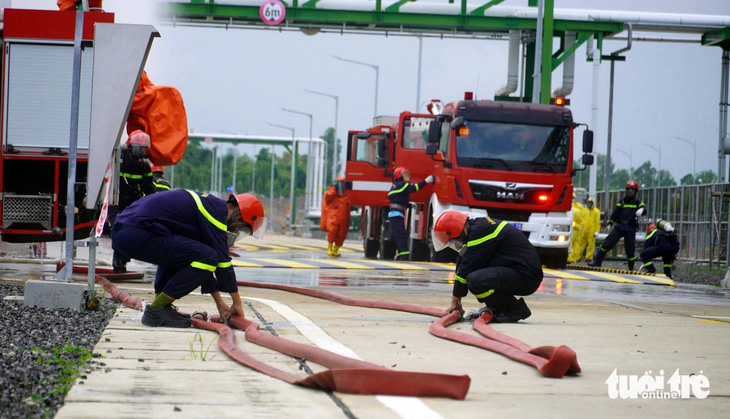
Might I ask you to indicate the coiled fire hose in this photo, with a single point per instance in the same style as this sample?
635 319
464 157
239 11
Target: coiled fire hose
550 361
345 375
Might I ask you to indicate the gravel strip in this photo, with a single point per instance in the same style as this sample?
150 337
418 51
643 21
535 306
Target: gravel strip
43 351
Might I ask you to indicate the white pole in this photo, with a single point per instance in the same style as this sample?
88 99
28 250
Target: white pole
271 192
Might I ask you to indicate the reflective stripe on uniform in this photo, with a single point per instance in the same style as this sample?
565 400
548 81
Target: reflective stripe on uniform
205 212
399 190
650 234
161 186
484 294
494 234
225 264
132 176
203 266
460 279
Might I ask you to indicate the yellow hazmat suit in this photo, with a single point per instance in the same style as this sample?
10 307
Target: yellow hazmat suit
578 242
591 225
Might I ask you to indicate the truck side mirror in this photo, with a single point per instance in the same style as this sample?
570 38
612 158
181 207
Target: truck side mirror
434 131
431 148
363 135
382 148
587 160
588 141
457 122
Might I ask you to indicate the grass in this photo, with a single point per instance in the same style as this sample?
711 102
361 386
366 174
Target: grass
71 358
199 353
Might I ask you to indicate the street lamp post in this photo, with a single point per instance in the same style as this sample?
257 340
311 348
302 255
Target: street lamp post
631 162
292 183
694 157
310 162
335 154
659 174
377 75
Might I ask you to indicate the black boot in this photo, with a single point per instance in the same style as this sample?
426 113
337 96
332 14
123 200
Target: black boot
631 265
598 259
119 263
649 267
668 271
514 313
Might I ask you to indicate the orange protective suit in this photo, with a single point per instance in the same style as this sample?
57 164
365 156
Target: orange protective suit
159 111
335 218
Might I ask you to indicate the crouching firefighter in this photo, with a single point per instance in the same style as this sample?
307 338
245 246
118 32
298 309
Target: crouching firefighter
496 262
187 235
661 240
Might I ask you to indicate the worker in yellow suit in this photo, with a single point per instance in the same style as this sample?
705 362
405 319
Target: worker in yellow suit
591 225
578 242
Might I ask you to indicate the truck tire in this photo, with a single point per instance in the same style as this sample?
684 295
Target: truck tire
387 246
419 250
554 260
372 247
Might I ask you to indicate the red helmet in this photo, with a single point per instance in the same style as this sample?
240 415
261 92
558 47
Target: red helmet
252 213
650 227
139 137
154 168
399 172
448 226
632 185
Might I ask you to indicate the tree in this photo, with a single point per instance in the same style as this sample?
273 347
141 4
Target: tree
704 177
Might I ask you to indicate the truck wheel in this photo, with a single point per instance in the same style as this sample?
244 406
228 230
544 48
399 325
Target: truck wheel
555 261
372 247
419 250
387 246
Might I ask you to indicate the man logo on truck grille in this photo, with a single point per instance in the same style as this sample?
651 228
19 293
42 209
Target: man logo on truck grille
510 186
511 195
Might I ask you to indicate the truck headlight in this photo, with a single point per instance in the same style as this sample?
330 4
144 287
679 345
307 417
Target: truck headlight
561 228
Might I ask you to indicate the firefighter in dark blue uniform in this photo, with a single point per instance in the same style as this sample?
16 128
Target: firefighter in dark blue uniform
158 179
135 181
661 240
187 234
496 262
624 223
399 201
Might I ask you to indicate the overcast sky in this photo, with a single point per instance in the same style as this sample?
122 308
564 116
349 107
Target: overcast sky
235 81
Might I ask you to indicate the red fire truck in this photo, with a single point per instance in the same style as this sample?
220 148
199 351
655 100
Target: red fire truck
512 161
37 69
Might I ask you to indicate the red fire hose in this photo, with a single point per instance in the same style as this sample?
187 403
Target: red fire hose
345 375
549 360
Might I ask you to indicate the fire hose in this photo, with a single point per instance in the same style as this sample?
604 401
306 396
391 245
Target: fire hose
550 361
345 375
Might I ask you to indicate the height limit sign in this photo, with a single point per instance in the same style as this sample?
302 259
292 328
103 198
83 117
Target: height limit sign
272 12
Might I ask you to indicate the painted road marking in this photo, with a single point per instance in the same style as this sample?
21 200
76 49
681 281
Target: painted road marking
405 407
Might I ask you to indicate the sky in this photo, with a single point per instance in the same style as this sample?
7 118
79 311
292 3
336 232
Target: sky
235 81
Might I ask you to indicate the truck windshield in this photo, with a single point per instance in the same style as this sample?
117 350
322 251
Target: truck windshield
513 147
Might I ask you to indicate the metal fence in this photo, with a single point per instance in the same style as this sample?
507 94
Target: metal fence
699 213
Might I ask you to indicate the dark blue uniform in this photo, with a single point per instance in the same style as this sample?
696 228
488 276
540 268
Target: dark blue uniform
497 263
660 243
184 233
399 201
626 224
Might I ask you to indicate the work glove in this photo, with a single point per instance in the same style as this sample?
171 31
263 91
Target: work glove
429 179
639 212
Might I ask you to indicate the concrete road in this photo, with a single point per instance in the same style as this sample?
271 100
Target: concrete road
669 334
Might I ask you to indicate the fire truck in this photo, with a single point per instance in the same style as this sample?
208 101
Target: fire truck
512 161
37 69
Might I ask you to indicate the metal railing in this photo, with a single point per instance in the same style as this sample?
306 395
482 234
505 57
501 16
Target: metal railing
699 213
